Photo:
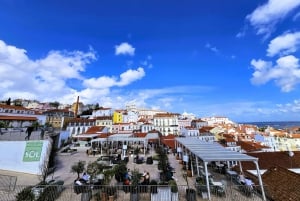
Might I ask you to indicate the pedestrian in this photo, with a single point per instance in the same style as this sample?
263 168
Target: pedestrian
28 131
42 133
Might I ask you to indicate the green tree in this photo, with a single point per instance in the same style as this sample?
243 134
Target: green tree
78 168
2 124
97 106
87 112
35 125
8 102
54 104
135 180
94 168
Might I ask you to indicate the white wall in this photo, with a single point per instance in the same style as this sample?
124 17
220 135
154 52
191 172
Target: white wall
12 156
63 135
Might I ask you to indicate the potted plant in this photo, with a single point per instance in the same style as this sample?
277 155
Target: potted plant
120 170
174 190
78 168
190 193
134 186
153 186
25 195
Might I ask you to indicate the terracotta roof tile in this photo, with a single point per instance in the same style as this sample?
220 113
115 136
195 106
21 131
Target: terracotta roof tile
281 184
94 129
19 118
267 160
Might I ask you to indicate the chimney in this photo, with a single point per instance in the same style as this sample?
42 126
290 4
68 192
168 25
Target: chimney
76 107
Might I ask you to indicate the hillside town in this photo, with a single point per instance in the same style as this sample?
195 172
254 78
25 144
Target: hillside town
84 121
97 131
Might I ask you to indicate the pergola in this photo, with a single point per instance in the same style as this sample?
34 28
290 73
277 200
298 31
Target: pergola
126 138
213 151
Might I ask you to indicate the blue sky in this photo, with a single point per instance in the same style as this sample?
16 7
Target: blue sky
238 59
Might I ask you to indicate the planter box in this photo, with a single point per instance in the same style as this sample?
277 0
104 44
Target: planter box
174 197
163 194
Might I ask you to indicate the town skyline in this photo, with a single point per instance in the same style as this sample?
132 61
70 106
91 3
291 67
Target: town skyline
234 59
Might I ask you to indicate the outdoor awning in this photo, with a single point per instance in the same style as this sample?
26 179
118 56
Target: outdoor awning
213 151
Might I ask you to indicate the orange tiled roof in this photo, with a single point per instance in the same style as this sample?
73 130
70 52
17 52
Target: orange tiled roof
18 118
205 129
250 146
168 141
281 184
269 159
94 129
13 107
104 118
140 135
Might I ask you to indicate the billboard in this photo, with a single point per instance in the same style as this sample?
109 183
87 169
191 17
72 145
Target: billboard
33 151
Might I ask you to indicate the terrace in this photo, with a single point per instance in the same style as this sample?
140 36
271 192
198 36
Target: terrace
230 189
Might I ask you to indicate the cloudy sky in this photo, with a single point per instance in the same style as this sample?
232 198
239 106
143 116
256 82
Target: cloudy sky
238 59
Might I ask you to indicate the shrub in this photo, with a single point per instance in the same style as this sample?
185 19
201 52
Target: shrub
25 195
173 185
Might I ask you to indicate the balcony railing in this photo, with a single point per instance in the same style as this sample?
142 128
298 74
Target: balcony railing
144 193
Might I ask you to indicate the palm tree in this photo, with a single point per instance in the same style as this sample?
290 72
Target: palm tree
78 168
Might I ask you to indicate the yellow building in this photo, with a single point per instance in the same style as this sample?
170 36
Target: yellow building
118 116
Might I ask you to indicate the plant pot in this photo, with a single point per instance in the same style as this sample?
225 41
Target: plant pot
111 198
190 194
134 197
189 173
174 196
104 196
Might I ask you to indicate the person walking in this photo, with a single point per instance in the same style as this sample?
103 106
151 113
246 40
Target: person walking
28 131
42 134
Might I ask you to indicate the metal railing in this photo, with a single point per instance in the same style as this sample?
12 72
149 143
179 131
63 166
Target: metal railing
7 182
143 193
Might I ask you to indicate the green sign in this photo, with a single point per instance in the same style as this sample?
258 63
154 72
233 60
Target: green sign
33 151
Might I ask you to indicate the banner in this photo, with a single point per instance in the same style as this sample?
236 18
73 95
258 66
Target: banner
33 151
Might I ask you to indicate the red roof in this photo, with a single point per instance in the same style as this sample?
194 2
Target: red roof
94 129
281 184
18 118
168 141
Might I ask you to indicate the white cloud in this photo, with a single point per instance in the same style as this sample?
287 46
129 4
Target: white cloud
286 72
265 17
293 107
124 49
147 62
284 44
242 32
131 76
44 78
296 17
125 79
48 78
211 48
